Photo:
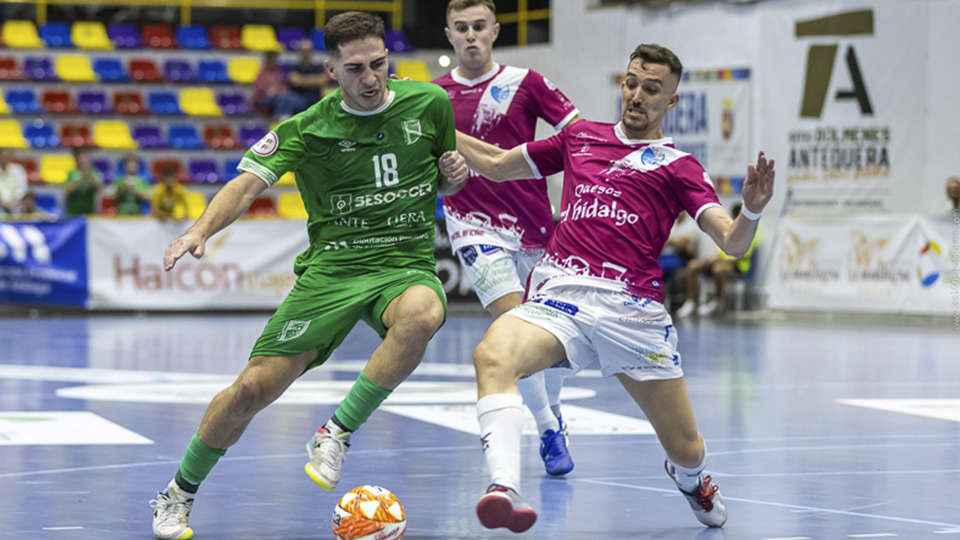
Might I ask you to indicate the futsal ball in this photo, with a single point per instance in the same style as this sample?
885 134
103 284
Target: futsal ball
369 513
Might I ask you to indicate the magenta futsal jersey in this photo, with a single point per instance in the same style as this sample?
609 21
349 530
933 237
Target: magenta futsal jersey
502 108
620 200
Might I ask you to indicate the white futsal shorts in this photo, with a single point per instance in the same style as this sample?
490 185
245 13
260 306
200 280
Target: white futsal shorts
625 334
495 271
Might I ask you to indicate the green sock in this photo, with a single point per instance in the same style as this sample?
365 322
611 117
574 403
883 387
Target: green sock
196 464
363 399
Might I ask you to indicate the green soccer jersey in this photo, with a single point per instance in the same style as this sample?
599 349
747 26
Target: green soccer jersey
368 180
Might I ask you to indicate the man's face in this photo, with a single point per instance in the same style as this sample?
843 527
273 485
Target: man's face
472 33
953 189
6 156
649 91
361 71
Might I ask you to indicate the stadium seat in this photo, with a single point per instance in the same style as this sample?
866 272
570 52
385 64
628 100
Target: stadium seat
193 37
164 103
22 102
21 35
160 165
396 41
108 207
288 179
56 35
11 136
103 165
317 37
39 69
219 137
262 206
145 70
179 71
40 135
196 204
75 68
30 165
47 202
158 36
290 38
125 36
184 136
109 70
93 103
9 70
54 168
199 102
212 71
75 134
233 104
415 70
128 103
250 134
203 170
259 37
148 137
4 108
113 134
226 38
244 70
290 205
90 35
57 102
230 169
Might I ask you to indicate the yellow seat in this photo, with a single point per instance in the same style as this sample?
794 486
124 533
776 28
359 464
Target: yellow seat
199 102
11 136
288 179
90 35
21 35
244 70
54 169
196 204
4 108
113 134
415 70
290 205
259 37
76 68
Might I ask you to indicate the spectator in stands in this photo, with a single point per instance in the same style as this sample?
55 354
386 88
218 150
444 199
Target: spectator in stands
270 93
13 183
720 268
307 79
680 248
953 196
169 199
83 185
131 190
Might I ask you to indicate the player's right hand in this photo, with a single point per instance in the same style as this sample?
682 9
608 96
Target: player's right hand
188 243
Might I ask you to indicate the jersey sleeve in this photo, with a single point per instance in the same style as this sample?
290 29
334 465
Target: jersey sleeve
446 125
695 189
555 108
545 156
278 152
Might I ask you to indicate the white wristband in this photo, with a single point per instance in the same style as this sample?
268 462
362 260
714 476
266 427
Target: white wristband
748 214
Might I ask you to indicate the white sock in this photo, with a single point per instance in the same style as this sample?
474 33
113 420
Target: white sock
333 428
553 382
689 479
501 424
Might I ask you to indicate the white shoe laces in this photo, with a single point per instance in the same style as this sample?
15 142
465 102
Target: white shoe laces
333 450
170 511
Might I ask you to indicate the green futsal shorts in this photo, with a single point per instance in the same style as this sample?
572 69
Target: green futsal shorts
324 306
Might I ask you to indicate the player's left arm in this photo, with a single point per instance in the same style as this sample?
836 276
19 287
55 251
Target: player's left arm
734 236
494 162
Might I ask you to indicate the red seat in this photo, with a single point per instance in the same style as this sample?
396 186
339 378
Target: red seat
9 69
226 38
145 70
128 103
219 137
108 206
33 174
263 206
159 36
75 134
160 165
57 102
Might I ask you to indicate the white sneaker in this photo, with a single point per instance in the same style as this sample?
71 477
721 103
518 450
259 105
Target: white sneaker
705 500
687 309
172 513
708 308
327 454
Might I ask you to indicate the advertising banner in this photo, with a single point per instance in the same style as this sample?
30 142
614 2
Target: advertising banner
43 263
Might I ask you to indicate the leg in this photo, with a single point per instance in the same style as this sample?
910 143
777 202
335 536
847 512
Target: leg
719 270
691 274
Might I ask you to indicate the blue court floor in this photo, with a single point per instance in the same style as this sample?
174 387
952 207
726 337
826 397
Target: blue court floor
818 427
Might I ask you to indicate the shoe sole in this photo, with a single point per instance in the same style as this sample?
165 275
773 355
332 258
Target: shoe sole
316 478
560 472
497 511
187 535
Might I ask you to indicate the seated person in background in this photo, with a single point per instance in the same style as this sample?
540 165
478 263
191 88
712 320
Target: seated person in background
13 183
270 94
680 248
719 268
169 199
131 190
953 195
307 79
83 185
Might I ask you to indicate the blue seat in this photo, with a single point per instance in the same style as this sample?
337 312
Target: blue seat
397 41
184 136
40 135
110 70
47 202
230 169
22 101
56 35
212 71
193 37
164 103
291 37
317 37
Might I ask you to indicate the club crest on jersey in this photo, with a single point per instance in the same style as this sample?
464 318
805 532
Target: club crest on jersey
267 145
411 131
500 93
347 146
293 330
652 156
341 204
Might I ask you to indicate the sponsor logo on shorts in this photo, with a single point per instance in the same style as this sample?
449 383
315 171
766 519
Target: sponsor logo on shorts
495 273
411 131
536 309
267 145
569 309
293 330
658 358
468 255
486 249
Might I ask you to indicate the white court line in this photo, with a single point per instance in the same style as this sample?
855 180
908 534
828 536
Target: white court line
791 538
875 535
62 528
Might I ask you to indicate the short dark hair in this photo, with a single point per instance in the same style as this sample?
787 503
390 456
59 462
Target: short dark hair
351 26
460 5
655 54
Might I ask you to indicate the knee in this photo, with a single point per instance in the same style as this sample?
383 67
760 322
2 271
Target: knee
689 452
424 321
248 396
489 360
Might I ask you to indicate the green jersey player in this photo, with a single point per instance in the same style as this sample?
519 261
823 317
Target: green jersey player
366 162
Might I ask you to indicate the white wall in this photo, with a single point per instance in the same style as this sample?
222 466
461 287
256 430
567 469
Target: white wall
942 103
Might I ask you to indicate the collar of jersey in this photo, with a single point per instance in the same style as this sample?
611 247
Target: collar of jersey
390 95
481 79
633 142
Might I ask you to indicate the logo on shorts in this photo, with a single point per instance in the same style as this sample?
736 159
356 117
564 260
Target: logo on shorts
469 255
569 309
341 204
411 131
293 330
267 145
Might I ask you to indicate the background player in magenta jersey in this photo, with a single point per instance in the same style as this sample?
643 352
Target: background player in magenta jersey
366 160
500 231
597 295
